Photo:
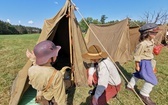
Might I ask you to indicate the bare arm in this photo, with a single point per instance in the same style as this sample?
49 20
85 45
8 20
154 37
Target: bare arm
31 56
137 66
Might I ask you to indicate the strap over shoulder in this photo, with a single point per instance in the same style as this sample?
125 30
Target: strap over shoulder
50 80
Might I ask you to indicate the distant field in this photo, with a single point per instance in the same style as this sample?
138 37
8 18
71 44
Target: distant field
12 59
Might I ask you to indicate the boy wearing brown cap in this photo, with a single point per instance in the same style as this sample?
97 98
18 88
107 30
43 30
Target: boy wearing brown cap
43 77
109 81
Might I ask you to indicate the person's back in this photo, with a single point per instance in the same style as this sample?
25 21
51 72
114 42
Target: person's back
103 75
43 77
112 70
39 77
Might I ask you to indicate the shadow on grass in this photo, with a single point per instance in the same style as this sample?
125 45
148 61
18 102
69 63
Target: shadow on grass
88 101
70 97
127 76
124 71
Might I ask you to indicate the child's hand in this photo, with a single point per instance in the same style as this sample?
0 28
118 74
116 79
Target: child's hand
94 101
30 55
137 68
38 96
90 80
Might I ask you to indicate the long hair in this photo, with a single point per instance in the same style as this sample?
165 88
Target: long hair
143 36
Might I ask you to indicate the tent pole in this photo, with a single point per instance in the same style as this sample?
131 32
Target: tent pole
70 43
70 35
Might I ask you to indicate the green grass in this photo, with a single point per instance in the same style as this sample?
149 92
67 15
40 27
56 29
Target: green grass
12 59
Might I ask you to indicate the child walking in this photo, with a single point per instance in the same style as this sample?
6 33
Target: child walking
143 58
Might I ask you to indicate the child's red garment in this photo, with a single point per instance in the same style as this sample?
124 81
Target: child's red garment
110 92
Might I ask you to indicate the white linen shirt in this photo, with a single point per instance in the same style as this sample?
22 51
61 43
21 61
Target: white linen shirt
107 74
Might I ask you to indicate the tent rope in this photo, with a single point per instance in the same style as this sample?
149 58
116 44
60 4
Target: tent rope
108 54
136 23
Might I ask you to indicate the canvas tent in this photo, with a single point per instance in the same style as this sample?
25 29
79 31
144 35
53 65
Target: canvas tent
134 36
160 35
114 38
63 30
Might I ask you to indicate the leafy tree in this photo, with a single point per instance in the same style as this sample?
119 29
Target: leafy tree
103 18
113 22
7 28
88 20
136 23
12 30
83 25
31 30
21 29
96 21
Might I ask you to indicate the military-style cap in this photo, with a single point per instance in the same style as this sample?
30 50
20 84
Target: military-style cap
148 26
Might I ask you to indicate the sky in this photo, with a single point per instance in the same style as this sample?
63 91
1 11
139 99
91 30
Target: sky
34 12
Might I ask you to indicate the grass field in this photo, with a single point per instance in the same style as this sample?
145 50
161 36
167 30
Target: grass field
12 59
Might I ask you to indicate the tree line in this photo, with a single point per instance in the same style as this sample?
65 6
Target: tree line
160 17
90 20
7 28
